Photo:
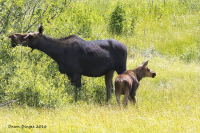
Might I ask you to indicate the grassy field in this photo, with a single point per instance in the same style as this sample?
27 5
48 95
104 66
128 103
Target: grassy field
165 32
168 103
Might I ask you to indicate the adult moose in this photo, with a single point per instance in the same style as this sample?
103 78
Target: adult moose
76 56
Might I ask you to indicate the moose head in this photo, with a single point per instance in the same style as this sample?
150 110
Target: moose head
143 71
28 39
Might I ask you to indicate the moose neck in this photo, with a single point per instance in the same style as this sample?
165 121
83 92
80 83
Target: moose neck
52 47
138 75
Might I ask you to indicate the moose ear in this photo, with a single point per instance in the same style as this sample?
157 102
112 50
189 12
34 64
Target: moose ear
144 64
40 29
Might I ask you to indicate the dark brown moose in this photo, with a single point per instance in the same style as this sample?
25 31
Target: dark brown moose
128 82
77 57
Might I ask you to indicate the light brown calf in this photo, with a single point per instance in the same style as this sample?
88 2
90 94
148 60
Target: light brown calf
128 82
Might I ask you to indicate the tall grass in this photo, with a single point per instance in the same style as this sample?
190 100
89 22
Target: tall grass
167 103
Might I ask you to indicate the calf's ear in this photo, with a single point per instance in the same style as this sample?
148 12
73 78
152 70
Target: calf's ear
144 64
40 29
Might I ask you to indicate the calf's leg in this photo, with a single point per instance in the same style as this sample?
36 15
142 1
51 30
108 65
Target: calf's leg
132 95
118 91
125 100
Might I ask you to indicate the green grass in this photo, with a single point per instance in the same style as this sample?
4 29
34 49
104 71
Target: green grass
90 118
167 103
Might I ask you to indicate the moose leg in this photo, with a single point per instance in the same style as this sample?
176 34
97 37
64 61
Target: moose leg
76 81
132 95
109 84
118 94
125 100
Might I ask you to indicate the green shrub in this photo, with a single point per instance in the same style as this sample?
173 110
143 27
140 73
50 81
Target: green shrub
170 29
116 22
82 22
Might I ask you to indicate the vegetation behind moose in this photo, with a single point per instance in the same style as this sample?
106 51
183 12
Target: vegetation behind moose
128 82
77 57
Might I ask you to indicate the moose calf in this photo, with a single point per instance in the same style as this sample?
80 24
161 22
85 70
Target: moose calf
128 82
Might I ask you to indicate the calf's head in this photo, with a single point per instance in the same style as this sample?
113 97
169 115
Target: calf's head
28 39
143 71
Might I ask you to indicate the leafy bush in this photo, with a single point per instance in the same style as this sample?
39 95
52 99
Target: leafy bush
33 77
82 22
117 18
11 13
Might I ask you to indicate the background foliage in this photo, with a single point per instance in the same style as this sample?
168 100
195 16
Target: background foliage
167 32
165 28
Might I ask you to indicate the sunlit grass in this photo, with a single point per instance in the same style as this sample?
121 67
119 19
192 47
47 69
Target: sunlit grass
167 103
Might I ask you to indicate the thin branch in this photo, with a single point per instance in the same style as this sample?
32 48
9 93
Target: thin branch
32 13
8 102
29 8
37 19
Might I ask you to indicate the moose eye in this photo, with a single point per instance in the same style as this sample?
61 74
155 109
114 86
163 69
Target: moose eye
148 70
30 36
